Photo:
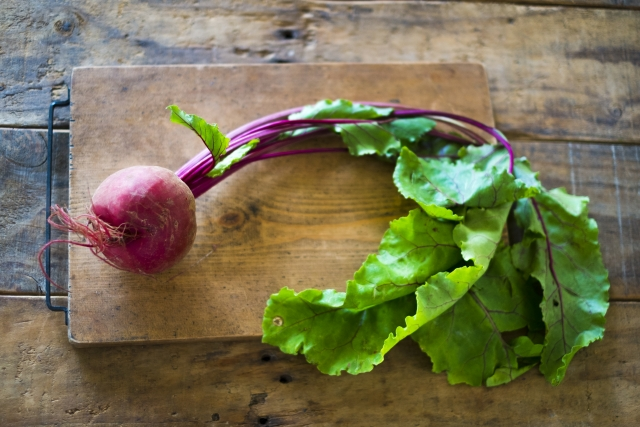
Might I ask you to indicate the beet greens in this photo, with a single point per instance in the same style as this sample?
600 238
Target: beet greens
484 311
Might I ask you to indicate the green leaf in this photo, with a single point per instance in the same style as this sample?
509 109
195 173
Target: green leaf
485 156
441 292
315 323
522 171
506 375
478 235
524 347
214 140
384 140
560 249
479 179
413 249
368 138
232 158
467 342
340 109
380 295
408 131
439 274
435 147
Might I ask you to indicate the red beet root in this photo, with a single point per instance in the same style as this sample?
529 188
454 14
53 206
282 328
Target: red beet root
142 219
155 213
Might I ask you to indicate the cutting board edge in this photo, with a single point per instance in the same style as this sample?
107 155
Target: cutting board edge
79 70
88 344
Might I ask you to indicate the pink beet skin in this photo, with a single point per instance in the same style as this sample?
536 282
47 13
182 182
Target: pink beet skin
159 211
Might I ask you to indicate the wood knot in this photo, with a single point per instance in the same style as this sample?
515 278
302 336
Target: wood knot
67 22
26 149
288 33
615 112
64 26
232 219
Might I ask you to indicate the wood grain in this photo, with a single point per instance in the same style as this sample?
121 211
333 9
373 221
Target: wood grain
45 381
555 72
305 221
23 177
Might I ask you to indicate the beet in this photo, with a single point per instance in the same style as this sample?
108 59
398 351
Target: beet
155 211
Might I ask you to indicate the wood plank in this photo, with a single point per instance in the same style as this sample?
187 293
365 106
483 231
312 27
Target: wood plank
45 381
42 42
23 177
308 221
555 72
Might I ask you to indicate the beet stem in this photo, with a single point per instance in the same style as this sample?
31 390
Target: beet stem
270 129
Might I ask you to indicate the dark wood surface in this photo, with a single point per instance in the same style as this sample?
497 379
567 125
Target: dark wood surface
246 383
23 173
560 71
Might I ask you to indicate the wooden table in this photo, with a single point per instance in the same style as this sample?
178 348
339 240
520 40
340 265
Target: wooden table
565 86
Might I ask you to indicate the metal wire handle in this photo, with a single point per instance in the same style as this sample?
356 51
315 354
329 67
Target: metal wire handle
47 233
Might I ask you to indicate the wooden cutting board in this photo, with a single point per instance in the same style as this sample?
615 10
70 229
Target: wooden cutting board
303 221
